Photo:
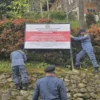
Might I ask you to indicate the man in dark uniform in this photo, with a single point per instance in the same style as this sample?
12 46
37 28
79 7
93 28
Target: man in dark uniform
87 48
49 87
18 59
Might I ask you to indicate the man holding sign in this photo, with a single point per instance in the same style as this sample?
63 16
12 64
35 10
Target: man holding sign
87 47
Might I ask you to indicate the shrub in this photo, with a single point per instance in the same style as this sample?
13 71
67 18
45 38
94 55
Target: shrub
33 15
12 34
90 19
71 16
57 15
95 37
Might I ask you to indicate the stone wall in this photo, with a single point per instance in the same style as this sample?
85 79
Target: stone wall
81 85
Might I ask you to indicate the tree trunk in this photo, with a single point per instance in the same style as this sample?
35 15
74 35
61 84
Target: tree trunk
41 10
48 7
81 13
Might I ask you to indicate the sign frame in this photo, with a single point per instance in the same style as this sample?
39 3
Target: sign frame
48 24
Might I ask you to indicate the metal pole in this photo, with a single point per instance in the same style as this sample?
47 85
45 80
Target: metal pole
71 52
71 57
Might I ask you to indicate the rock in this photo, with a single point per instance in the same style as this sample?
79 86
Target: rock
66 84
75 77
96 77
76 72
9 79
35 76
15 93
81 85
1 85
83 75
69 95
3 81
11 85
84 81
66 80
78 95
73 81
83 90
87 96
24 93
79 99
93 95
29 97
5 96
2 76
20 98
90 89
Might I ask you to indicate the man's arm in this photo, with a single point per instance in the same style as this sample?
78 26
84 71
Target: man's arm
36 92
25 57
10 57
80 38
62 91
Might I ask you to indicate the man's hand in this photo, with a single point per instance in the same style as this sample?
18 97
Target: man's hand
71 36
85 35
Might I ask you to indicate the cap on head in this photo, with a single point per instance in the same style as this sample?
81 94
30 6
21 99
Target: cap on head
50 68
81 30
21 46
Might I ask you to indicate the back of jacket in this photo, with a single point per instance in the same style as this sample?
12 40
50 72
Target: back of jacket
18 57
86 43
50 88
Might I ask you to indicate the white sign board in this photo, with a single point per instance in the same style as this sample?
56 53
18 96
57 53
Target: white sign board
47 36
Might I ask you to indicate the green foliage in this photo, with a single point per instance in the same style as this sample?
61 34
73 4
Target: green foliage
19 7
13 8
12 34
5 67
71 16
5 7
33 56
31 67
33 15
57 15
90 19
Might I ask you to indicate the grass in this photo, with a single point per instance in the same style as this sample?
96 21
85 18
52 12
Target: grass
38 68
32 67
5 66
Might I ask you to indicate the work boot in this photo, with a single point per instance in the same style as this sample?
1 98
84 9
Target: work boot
25 86
18 86
77 67
96 70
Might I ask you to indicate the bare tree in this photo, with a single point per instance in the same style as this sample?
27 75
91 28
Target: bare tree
41 9
81 13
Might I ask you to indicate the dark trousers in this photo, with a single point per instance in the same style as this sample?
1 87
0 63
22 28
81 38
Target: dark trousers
91 55
19 74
